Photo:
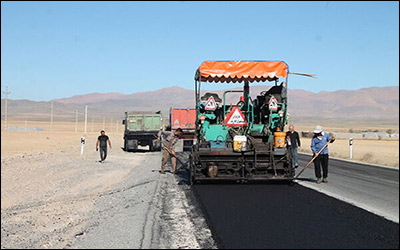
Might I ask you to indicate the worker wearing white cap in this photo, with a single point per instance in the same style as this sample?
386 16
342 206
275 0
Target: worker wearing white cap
319 140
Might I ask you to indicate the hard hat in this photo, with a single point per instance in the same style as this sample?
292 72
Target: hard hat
317 129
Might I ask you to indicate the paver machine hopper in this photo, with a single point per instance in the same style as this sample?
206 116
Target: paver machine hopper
244 140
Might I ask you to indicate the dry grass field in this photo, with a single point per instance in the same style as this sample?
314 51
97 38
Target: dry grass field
344 127
63 137
382 152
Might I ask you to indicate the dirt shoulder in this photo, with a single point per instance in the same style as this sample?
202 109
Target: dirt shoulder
58 199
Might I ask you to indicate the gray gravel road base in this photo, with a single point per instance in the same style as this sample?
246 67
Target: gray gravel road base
73 202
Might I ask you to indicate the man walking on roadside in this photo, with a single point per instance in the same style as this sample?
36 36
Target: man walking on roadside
169 140
294 141
102 141
319 140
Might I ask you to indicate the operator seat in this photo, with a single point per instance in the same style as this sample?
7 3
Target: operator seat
207 95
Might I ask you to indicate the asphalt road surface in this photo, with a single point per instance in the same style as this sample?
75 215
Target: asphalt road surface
283 216
372 188
333 215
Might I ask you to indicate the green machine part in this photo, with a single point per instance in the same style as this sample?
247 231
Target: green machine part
213 132
257 128
274 119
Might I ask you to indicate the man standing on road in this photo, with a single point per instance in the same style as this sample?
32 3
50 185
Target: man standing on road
319 140
169 141
294 141
102 141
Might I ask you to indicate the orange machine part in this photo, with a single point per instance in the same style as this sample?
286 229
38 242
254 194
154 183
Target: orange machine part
239 71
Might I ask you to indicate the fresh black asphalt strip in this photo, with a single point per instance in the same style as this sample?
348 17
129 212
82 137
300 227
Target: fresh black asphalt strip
284 216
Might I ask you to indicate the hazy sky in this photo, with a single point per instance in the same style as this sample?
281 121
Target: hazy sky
60 49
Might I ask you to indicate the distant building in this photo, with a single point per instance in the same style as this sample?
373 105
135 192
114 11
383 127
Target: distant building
394 136
375 135
340 135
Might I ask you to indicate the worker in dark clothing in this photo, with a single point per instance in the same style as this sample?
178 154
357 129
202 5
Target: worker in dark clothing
169 140
102 142
319 140
293 143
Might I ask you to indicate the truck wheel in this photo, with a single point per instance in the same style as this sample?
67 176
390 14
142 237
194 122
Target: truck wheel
151 147
125 146
156 145
135 144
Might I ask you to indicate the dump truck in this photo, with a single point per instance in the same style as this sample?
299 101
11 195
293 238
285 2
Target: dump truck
141 129
184 118
244 140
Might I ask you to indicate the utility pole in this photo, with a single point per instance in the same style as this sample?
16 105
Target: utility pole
85 118
92 124
76 121
104 122
6 107
51 118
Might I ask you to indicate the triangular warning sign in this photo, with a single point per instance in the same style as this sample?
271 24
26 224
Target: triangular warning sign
176 121
273 104
235 118
210 104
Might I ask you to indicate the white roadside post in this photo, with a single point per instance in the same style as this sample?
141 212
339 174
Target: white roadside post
351 147
82 144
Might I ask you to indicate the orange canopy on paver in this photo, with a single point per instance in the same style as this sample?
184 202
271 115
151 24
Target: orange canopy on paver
239 71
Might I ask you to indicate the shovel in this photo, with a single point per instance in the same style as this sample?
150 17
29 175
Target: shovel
308 164
171 153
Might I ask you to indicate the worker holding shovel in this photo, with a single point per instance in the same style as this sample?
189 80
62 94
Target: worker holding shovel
319 148
170 139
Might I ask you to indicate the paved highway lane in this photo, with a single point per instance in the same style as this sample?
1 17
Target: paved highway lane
282 216
307 215
375 189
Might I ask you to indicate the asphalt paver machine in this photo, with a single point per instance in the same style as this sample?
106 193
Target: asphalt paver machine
244 140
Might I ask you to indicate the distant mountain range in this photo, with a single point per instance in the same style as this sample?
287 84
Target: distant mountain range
375 103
